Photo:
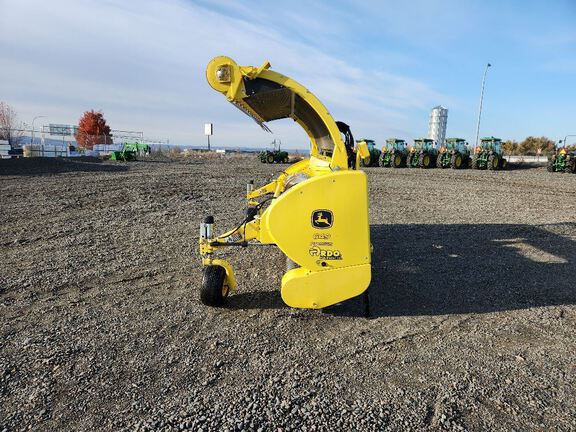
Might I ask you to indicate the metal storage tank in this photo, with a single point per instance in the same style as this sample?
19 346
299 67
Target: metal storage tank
437 124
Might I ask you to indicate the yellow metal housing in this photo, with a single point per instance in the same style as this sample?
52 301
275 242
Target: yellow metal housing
317 212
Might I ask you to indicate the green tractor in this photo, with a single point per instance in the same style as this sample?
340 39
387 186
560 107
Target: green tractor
455 154
130 151
422 154
371 160
563 161
394 153
488 155
275 155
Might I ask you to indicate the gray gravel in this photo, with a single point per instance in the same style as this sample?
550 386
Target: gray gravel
473 316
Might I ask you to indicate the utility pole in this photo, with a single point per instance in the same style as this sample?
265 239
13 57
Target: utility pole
33 120
480 109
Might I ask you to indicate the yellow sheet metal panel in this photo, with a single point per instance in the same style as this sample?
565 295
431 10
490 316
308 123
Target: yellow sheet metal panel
302 288
322 223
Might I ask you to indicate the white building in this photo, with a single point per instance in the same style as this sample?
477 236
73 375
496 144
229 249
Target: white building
437 124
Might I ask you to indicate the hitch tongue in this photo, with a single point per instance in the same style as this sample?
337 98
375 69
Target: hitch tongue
207 228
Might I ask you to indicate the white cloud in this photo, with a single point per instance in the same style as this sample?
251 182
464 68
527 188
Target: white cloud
143 64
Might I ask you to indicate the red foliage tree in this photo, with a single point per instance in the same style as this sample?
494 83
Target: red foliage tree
92 129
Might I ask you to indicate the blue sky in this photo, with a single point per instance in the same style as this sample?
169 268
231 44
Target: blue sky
380 66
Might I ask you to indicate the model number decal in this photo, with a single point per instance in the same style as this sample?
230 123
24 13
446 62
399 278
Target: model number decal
327 254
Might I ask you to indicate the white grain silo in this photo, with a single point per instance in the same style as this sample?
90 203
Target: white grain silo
437 124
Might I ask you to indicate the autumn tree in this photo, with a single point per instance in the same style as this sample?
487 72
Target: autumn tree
531 145
11 129
510 147
92 129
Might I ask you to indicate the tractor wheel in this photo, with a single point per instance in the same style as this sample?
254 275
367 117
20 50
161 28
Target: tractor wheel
503 164
214 289
424 161
474 162
381 162
409 160
270 158
570 166
493 162
439 161
550 166
456 161
285 160
397 160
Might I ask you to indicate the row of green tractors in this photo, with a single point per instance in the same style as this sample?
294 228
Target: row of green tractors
455 154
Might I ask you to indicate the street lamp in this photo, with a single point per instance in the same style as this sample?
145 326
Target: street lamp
481 99
33 120
566 138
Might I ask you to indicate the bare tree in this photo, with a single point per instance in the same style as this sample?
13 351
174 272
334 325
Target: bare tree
11 129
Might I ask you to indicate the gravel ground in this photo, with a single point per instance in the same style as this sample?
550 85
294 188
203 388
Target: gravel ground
473 316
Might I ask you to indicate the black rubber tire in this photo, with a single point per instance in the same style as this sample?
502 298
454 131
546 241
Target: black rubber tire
409 160
214 290
285 160
503 163
474 162
492 166
439 159
397 160
381 160
456 161
570 167
270 159
425 161
550 166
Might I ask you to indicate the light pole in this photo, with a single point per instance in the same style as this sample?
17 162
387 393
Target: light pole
566 138
33 120
481 99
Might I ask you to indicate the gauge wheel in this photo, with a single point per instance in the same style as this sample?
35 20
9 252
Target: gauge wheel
214 288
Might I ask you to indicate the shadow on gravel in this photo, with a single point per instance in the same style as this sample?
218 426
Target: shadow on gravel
42 166
516 166
454 269
256 300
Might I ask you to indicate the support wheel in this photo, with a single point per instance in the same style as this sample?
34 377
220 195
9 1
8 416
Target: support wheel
214 289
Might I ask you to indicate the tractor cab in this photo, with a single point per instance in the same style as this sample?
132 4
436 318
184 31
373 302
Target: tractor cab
424 144
490 144
452 145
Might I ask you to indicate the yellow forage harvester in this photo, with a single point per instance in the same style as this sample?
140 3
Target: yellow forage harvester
315 212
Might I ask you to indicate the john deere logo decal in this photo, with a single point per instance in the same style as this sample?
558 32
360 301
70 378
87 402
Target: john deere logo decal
322 219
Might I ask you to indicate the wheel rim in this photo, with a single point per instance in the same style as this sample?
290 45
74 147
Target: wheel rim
495 162
426 161
458 162
397 160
